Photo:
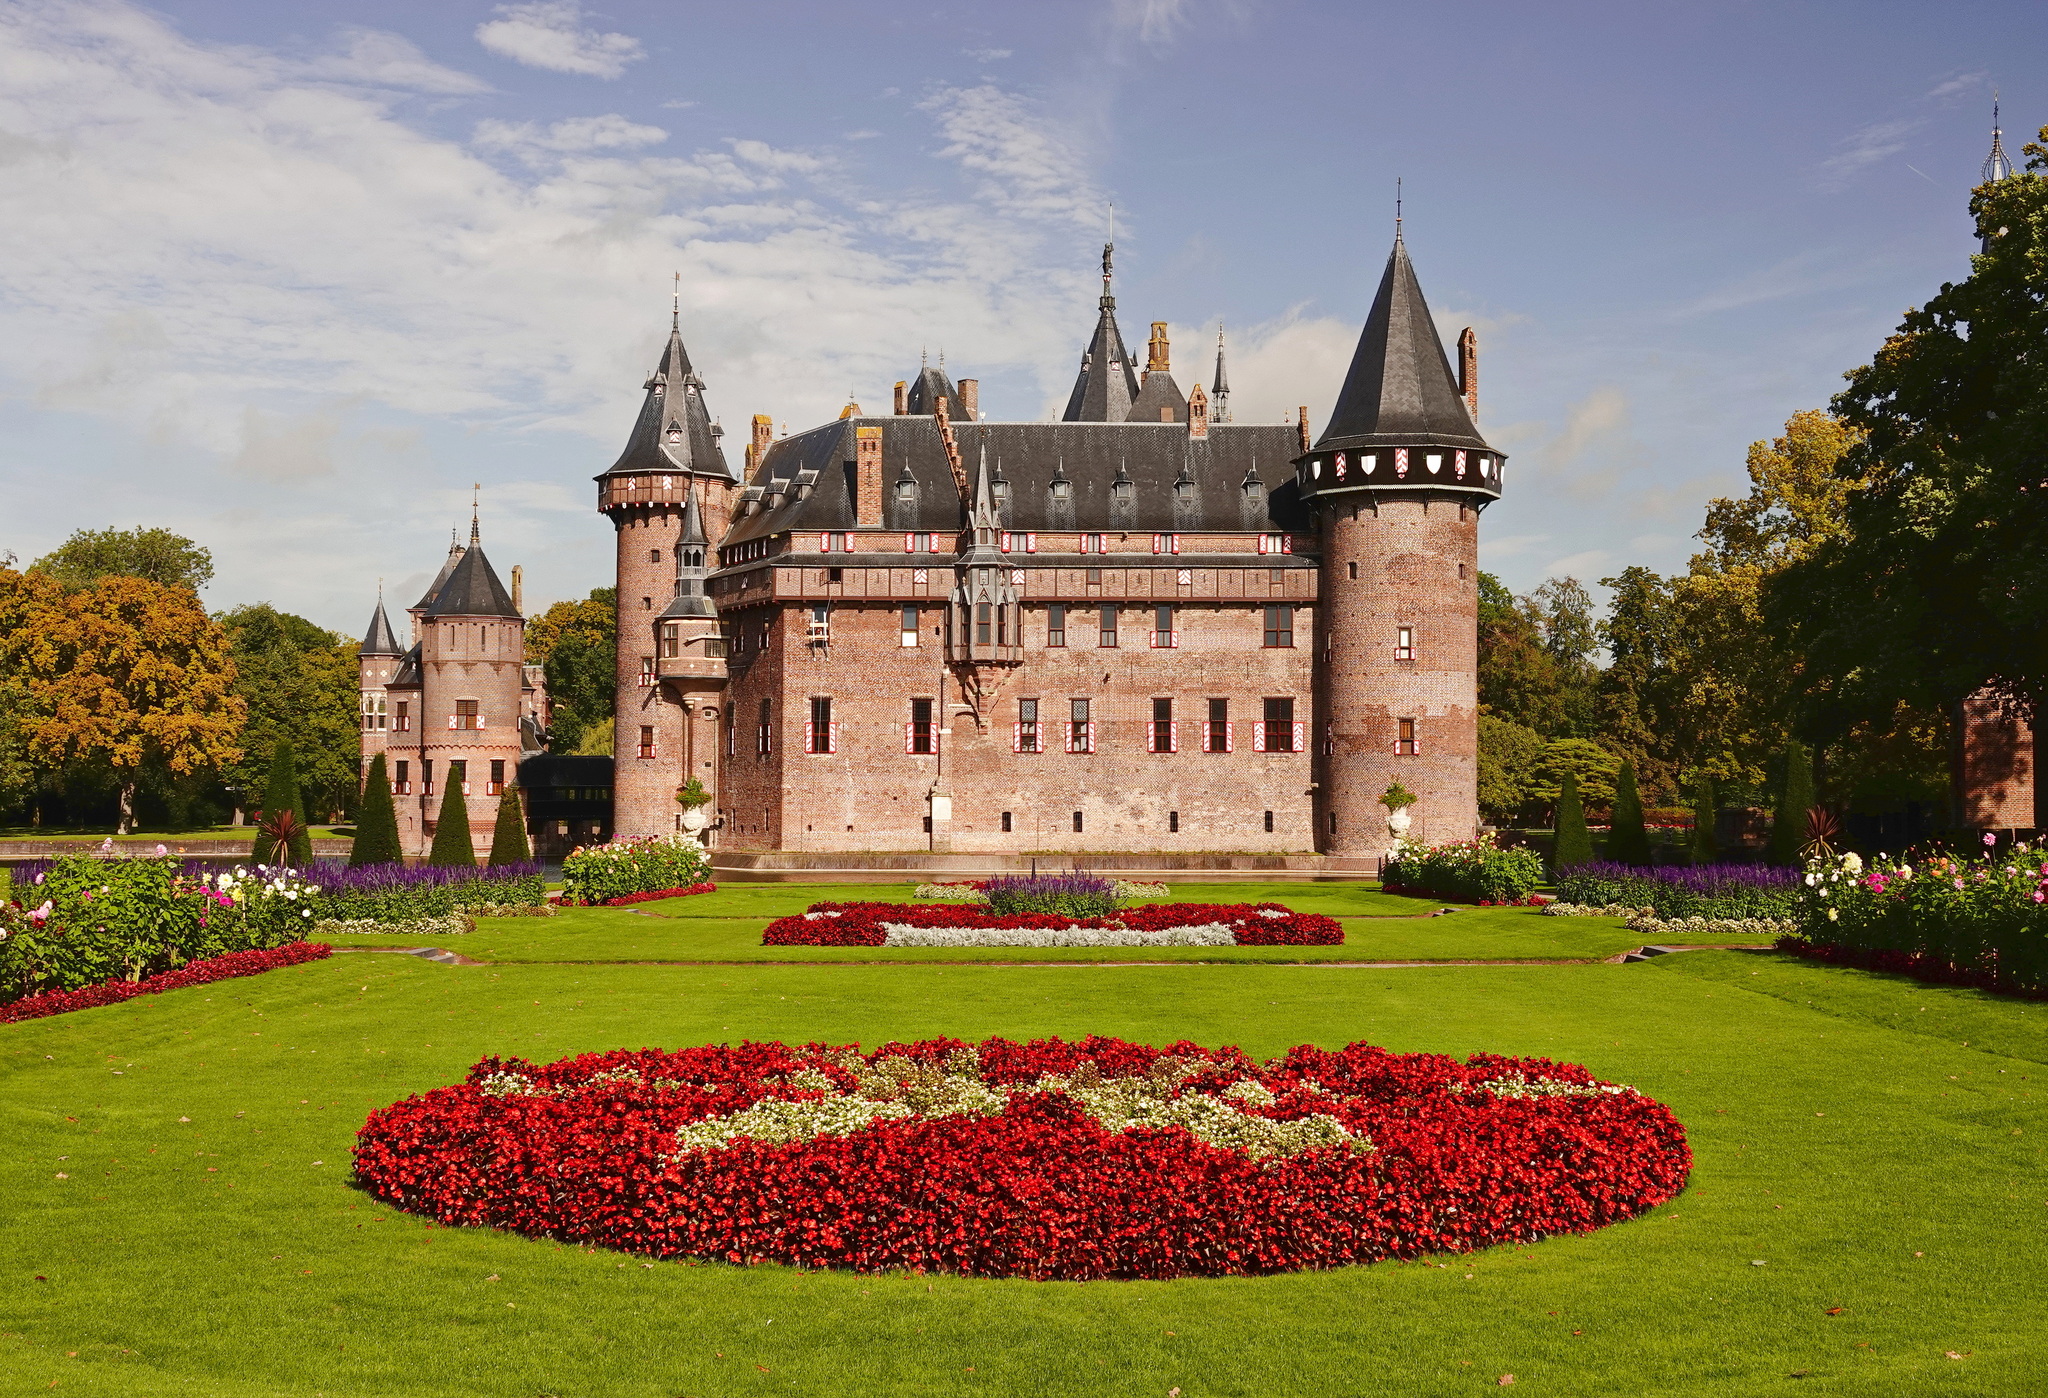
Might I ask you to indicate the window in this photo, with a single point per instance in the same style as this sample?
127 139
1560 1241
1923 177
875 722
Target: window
1216 732
763 734
1404 737
1173 822
833 575
909 631
646 740
402 721
1163 734
1351 571
1080 730
984 622
1031 542
654 555
646 604
1006 822
919 735
465 716
1279 626
821 734
1027 739
646 672
1060 490
1094 577
1279 732
403 786
1077 822
838 539
1276 543
1108 632
1404 643
1164 637
1269 822
497 785
1166 543
458 774
1092 543
732 730
671 640
426 776
920 543
906 491
821 626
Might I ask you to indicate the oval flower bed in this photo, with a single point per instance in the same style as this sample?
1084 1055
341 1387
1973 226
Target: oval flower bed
1048 1160
969 925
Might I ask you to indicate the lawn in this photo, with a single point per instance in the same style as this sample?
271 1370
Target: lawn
1873 1143
726 927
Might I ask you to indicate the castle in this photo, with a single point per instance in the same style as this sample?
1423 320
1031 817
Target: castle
1142 627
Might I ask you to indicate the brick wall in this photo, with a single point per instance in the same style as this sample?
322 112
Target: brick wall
643 788
462 658
1994 769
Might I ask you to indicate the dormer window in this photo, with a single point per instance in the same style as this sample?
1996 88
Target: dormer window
1001 488
1254 489
1120 492
675 432
1184 490
1061 489
906 491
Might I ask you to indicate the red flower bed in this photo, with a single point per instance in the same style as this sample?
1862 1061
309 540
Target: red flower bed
860 924
218 968
625 899
1440 1156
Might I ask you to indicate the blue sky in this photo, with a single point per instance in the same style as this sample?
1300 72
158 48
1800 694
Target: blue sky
288 279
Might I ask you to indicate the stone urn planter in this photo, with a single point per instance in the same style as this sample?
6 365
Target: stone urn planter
693 820
1398 822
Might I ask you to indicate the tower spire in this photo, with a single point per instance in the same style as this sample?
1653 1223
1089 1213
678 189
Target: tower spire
475 500
675 306
1219 395
1397 208
1996 165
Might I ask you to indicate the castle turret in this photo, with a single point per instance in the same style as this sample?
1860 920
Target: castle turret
1108 383
471 674
1397 482
673 454
376 662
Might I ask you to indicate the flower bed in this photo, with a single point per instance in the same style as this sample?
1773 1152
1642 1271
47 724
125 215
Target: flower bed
1718 891
399 893
1047 1160
596 874
453 925
627 899
217 968
1470 871
870 924
976 890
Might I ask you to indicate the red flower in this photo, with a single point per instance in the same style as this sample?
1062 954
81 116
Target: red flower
218 968
861 924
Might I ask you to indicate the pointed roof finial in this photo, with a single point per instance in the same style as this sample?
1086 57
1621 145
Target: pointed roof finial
1996 165
1109 259
675 309
475 497
1397 208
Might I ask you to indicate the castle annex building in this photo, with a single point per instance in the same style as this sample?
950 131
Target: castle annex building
1142 627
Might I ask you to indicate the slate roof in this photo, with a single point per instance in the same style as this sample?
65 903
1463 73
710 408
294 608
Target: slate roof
690 599
1159 394
379 639
472 589
1108 381
1176 483
407 676
673 431
1399 390
440 578
927 388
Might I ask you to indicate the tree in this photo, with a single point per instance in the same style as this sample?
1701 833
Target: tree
1562 611
1628 841
508 838
575 643
1509 756
154 555
281 793
1795 799
1590 766
1637 704
376 839
1705 848
452 845
1574 840
1518 679
122 676
299 682
1938 587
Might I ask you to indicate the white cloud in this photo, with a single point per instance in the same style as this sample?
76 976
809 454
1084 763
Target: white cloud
546 34
1867 147
1153 21
1029 166
1957 86
577 134
987 55
380 59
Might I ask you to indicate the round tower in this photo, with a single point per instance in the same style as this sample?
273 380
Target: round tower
377 661
1396 485
674 445
472 667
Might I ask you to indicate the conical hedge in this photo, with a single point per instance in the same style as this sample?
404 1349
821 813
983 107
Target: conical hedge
1628 839
1574 840
452 848
281 793
508 839
1705 849
376 821
1795 798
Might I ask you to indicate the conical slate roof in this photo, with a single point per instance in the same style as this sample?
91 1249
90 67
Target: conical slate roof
1400 389
673 431
472 589
690 599
441 578
927 389
1108 382
379 640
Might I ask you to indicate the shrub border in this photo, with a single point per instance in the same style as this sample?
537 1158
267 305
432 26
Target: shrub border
217 968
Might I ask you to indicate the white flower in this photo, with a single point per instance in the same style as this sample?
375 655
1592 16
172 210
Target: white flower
1834 915
1853 862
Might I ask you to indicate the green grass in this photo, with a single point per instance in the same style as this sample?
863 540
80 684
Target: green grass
1844 1137
726 927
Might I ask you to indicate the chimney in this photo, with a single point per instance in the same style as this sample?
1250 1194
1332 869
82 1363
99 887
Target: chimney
867 453
1156 354
1198 414
764 432
970 399
519 589
902 397
1305 443
1468 371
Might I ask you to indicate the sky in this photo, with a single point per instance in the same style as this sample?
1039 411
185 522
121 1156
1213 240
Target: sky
291 279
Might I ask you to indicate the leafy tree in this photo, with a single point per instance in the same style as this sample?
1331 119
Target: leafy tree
376 839
582 684
1637 690
1562 612
1628 841
452 846
154 555
1509 756
281 794
1518 679
299 682
1705 848
1795 798
122 676
1574 840
595 618
596 740
1590 766
508 837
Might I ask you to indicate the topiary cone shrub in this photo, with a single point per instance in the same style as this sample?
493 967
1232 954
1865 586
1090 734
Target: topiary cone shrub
1705 849
281 793
1574 840
376 821
508 838
452 848
1628 838
1795 796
